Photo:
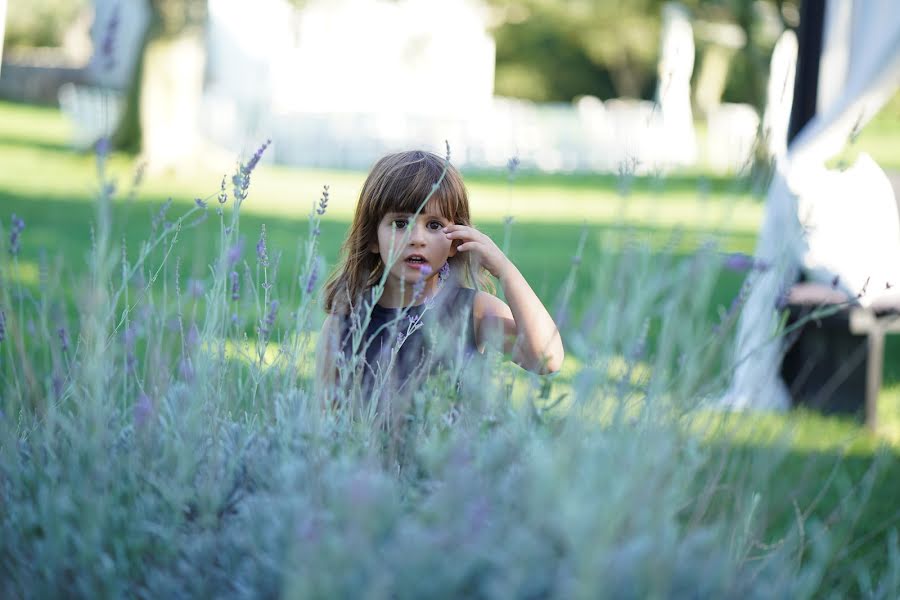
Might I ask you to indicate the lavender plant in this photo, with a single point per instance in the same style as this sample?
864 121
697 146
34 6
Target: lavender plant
169 441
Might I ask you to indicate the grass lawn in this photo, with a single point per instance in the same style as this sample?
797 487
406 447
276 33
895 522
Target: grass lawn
51 188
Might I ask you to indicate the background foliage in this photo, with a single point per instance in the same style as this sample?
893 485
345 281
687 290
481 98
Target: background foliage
38 23
549 50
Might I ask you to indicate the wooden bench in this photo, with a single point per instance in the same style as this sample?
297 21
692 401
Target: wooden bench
842 362
875 324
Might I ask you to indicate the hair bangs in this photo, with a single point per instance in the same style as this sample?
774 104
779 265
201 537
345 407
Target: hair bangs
412 181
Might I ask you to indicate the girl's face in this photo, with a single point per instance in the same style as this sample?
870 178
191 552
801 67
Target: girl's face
419 243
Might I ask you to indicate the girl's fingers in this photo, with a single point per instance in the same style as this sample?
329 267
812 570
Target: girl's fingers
463 233
460 229
466 246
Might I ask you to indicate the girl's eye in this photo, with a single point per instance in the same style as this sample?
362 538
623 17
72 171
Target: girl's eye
435 225
400 223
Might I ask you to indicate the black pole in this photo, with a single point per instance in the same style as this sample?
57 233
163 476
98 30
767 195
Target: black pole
809 52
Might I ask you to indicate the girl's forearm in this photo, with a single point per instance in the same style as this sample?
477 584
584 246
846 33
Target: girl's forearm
536 333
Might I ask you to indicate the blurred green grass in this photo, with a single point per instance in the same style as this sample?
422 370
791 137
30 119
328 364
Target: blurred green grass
52 187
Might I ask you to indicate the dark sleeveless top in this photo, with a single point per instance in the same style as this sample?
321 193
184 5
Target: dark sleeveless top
407 345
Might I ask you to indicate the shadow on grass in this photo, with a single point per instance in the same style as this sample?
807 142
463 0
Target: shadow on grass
851 494
543 252
15 142
670 182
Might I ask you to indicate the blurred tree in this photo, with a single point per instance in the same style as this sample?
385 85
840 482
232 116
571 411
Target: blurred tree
39 23
762 23
560 49
169 19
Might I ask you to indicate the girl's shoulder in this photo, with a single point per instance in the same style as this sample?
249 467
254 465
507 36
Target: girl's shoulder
486 304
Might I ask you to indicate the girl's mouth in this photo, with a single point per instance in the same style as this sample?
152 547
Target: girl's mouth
416 262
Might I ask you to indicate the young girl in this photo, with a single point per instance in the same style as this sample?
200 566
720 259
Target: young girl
406 278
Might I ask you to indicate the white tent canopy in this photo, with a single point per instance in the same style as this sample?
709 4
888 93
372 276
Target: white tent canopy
859 71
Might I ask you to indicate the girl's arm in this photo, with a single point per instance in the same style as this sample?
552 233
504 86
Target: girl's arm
527 329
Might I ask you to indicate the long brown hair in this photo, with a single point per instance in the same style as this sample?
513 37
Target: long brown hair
398 183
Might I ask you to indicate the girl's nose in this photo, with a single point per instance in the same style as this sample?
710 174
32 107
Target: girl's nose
417 235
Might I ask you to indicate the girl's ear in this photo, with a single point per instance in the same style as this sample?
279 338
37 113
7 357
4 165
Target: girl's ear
453 250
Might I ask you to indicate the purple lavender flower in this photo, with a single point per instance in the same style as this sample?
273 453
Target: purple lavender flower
235 286
2 325
234 253
241 179
254 160
200 202
223 195
102 147
740 262
139 174
186 369
108 43
312 278
512 166
195 287
137 280
734 308
160 217
173 324
783 299
262 252
16 228
270 317
419 286
129 337
143 410
63 339
323 201
193 336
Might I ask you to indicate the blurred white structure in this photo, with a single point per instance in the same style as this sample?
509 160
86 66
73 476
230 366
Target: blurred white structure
116 35
827 222
676 63
94 112
341 82
779 94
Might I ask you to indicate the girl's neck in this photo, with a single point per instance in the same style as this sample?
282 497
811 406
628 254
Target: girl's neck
395 297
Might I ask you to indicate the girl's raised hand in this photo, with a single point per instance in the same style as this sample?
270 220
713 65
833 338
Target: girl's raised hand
486 251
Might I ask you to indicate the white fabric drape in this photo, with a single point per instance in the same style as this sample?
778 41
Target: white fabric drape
859 71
